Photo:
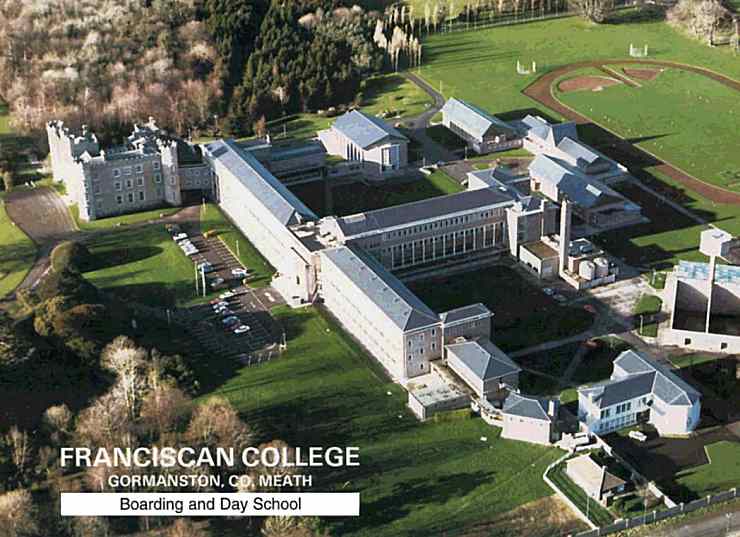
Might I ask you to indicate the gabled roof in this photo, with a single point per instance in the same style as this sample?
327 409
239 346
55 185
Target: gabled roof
419 211
635 375
472 119
579 188
466 312
483 358
528 406
364 129
272 194
552 133
386 291
593 475
582 155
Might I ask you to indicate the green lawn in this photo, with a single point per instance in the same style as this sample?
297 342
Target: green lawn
17 253
381 94
648 305
123 220
421 479
684 118
213 220
357 197
480 66
690 360
722 473
142 264
523 314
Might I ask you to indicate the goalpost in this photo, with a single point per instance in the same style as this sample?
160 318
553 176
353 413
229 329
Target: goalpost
521 70
637 52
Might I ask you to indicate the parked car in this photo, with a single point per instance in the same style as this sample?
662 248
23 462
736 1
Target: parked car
548 291
218 280
180 237
227 294
205 267
228 321
239 272
241 329
215 301
220 305
225 312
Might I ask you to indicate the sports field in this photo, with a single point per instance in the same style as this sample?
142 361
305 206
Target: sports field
684 118
415 479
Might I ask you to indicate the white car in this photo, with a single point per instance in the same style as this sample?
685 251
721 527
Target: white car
242 328
239 272
220 305
217 281
227 295
180 237
548 291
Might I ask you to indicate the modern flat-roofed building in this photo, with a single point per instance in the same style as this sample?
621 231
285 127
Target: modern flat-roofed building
639 390
292 162
149 170
266 212
482 365
482 132
360 137
380 311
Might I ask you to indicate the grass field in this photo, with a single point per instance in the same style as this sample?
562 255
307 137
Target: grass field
722 473
684 118
648 306
142 264
690 360
17 254
387 93
357 197
123 220
523 314
213 219
420 479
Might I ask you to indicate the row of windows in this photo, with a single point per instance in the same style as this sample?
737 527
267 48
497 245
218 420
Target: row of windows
118 185
458 220
130 197
128 170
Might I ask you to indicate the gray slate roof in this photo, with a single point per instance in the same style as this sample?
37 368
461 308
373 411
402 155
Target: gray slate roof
386 291
484 359
364 129
641 376
579 188
465 312
527 406
582 155
551 132
273 194
472 119
432 208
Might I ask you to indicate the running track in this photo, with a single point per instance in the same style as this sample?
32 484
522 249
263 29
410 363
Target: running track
541 91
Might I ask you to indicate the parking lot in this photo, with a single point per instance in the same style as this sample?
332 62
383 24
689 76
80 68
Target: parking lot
257 343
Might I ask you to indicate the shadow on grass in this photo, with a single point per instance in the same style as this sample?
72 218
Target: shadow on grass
104 258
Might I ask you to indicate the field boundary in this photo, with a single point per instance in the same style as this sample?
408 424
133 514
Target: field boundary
541 90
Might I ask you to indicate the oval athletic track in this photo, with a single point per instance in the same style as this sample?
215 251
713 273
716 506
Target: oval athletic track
631 155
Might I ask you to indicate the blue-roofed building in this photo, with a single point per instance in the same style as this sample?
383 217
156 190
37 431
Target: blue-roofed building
640 390
594 202
482 365
530 418
360 137
482 132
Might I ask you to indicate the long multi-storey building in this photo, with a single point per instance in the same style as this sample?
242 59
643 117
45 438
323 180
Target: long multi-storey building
150 170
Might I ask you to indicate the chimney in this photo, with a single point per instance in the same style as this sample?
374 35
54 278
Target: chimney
565 221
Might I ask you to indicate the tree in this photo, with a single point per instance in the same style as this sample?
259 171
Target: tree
186 528
594 10
216 423
127 361
163 408
8 181
17 514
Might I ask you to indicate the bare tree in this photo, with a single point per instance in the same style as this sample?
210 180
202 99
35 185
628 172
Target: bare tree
127 361
163 408
20 450
594 10
186 528
215 422
17 514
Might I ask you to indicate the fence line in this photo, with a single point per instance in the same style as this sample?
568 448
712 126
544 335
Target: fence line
655 516
563 496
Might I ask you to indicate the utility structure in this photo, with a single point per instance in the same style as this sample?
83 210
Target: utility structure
714 243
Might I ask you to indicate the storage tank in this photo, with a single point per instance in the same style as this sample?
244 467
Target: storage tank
602 267
587 270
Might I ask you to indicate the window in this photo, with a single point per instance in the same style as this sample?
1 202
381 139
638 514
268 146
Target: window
142 197
139 181
172 180
127 170
130 197
723 345
129 183
118 185
155 165
99 203
139 168
157 177
116 172
119 199
687 341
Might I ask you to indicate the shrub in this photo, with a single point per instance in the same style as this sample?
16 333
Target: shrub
70 255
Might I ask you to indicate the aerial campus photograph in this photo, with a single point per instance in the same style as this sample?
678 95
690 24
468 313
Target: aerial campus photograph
471 267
